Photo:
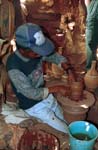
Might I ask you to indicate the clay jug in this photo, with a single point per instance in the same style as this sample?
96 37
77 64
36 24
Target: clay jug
91 77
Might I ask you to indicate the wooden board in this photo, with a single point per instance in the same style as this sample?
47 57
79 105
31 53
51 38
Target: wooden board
6 19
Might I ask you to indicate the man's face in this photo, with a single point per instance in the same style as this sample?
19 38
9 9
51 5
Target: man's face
32 54
29 54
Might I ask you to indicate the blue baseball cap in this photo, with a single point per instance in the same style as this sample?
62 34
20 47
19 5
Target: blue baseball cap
30 36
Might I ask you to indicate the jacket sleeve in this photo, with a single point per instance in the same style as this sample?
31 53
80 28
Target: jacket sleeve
55 58
24 85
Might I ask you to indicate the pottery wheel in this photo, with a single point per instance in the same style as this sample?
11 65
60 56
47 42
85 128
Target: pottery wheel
87 101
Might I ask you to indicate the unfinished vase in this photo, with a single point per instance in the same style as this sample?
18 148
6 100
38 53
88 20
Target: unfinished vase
91 77
76 90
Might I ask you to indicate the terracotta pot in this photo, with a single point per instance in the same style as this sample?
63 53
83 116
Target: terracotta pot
76 90
57 71
91 77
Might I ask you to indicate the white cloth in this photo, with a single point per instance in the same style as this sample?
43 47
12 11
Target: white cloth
13 119
49 112
12 114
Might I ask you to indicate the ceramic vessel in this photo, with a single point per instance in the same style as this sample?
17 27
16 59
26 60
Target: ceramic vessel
76 90
91 77
57 71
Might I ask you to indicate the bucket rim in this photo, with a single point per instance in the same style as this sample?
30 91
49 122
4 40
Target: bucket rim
83 122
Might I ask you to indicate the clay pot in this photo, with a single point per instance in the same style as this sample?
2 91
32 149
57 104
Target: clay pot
91 77
76 90
57 71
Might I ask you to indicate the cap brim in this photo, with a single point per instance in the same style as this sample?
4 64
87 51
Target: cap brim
46 49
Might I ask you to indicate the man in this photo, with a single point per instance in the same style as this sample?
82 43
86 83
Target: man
91 31
25 72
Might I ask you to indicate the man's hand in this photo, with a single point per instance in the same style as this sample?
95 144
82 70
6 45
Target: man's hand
63 90
66 66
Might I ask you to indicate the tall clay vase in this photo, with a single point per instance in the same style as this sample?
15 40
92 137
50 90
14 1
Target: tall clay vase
76 90
71 76
91 77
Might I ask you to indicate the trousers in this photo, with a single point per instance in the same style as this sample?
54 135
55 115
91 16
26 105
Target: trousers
49 112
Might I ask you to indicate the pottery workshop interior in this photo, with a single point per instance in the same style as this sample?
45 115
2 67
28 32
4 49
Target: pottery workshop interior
66 24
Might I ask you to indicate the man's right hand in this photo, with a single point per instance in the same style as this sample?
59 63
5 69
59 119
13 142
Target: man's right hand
63 90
